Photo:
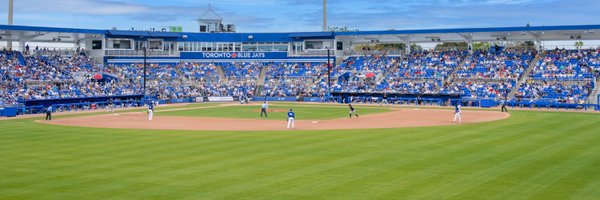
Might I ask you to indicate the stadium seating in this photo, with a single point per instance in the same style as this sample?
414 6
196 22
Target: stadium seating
561 64
292 69
373 63
506 64
409 87
241 69
428 64
398 73
557 91
475 90
564 76
285 79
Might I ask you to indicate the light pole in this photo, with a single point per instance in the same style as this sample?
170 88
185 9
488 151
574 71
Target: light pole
10 22
328 76
145 71
324 15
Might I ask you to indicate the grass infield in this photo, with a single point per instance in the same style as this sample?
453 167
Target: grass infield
276 111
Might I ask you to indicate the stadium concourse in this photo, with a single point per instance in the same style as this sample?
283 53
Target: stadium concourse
522 77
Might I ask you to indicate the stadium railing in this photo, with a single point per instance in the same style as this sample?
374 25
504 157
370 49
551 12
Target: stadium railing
139 53
372 52
313 52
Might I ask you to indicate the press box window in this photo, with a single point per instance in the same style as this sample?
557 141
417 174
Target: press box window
97 44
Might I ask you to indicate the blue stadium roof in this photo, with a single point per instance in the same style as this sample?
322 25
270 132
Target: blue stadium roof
474 30
312 35
239 37
207 37
50 29
284 37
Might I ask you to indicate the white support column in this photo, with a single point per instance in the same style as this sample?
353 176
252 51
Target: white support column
470 46
538 40
469 39
22 45
406 40
538 44
78 41
24 39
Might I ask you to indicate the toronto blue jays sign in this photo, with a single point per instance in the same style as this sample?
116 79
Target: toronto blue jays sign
233 55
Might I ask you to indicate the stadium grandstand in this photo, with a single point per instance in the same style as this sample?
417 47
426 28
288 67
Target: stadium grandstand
297 66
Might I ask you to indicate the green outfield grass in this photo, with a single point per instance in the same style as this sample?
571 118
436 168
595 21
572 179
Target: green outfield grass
303 112
531 155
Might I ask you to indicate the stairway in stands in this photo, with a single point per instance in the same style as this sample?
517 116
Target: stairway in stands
80 77
221 73
260 83
21 59
451 75
383 74
525 75
593 99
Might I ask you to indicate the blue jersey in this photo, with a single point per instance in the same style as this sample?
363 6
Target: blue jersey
291 114
151 107
457 108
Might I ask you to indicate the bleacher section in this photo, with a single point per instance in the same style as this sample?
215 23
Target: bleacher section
293 79
241 70
567 65
428 64
507 64
479 89
560 76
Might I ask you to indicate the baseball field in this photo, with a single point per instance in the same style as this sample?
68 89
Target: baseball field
527 155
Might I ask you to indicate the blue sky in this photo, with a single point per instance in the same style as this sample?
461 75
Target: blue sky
303 15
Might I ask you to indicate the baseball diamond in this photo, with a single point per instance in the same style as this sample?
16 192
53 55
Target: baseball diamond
411 99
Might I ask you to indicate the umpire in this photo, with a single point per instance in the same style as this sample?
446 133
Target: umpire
263 109
503 102
49 113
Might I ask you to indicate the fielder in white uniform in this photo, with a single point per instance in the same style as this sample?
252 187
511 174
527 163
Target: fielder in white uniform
291 117
150 111
457 113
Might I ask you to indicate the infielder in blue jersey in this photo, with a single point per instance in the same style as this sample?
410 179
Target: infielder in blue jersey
291 117
150 110
457 112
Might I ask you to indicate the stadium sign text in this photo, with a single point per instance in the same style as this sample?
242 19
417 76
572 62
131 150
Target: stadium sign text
234 55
